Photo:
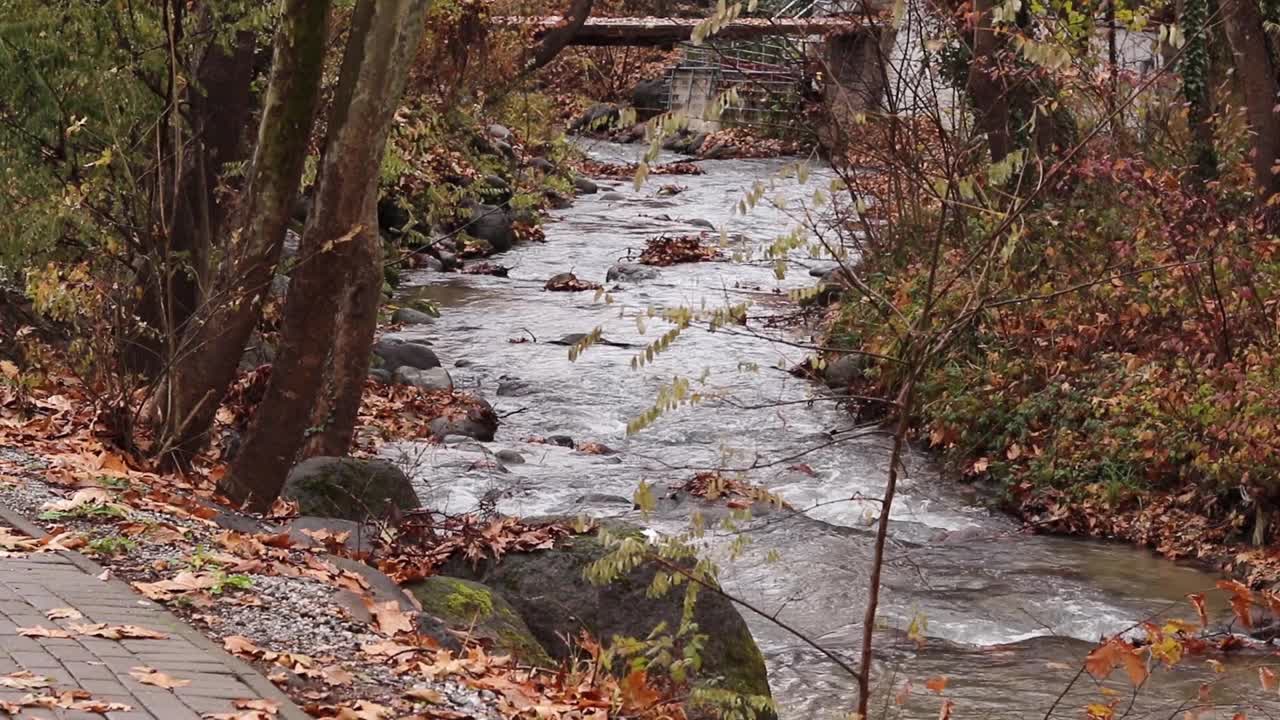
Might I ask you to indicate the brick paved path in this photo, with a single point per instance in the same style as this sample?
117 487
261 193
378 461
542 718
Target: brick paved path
33 584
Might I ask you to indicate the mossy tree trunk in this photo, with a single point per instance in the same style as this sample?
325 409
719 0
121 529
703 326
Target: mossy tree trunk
338 245
210 349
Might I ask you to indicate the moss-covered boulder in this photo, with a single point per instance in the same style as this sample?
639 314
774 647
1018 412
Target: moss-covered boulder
470 606
349 488
551 591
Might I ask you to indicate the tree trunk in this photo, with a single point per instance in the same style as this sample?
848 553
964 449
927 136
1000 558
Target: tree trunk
336 409
219 103
985 87
342 226
1257 75
558 38
211 348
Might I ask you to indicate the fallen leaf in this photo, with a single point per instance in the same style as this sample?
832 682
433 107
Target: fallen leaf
24 680
936 684
425 694
240 645
150 676
44 632
337 675
63 614
388 617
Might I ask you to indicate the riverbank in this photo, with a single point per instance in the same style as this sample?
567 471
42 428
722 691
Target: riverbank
1117 385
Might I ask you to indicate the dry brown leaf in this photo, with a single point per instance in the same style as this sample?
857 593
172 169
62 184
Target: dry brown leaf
44 632
936 684
425 694
337 675
24 680
151 676
388 617
240 645
65 613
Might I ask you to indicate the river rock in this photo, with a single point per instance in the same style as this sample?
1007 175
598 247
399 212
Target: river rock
556 201
597 118
448 261
843 371
509 457
630 272
397 353
409 316
380 376
349 488
685 142
584 186
699 222
550 590
430 379
492 224
561 440
542 165
392 217
514 388
649 98
471 607
504 148
499 132
613 196
474 419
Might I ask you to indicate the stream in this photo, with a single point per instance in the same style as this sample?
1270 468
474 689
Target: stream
1007 617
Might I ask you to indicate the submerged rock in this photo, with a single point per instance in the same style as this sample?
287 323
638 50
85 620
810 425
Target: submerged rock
493 225
509 457
597 118
841 372
474 418
630 272
584 186
349 488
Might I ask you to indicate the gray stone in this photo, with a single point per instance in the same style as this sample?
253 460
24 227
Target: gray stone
613 196
841 372
380 376
649 98
456 439
491 224
630 272
542 165
469 606
409 316
430 379
397 353
550 590
699 222
514 388
359 536
234 521
475 419
556 201
499 132
561 440
597 118
510 457
584 186
495 181
349 488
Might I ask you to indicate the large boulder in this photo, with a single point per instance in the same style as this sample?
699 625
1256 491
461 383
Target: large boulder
649 98
473 418
394 354
471 607
493 224
349 488
551 591
597 118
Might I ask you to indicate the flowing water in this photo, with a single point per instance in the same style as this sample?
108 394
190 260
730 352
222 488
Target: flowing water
1007 617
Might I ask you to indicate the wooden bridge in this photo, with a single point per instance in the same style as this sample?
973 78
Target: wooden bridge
606 31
